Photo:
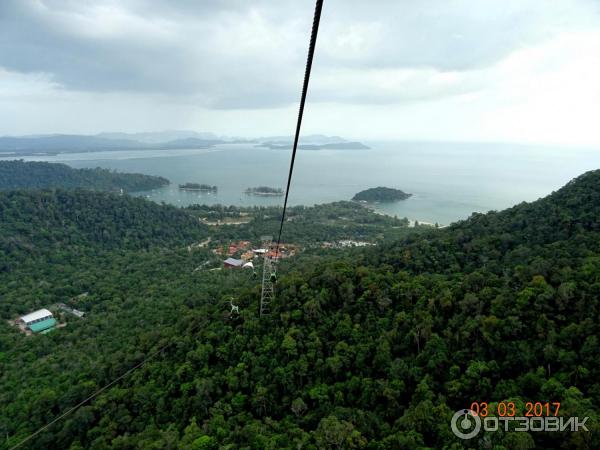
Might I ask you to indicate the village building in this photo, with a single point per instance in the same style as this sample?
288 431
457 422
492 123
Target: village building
39 321
230 263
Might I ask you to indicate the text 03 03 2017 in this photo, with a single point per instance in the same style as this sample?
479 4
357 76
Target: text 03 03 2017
510 409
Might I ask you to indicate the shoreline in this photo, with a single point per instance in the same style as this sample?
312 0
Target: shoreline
411 222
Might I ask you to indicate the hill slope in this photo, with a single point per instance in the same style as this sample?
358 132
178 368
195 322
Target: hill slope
371 349
42 175
36 224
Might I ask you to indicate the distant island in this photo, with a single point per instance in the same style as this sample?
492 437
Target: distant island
330 146
264 190
42 175
60 143
197 187
380 194
55 144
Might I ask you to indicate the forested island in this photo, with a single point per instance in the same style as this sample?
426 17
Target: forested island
380 194
372 348
197 187
19 174
264 190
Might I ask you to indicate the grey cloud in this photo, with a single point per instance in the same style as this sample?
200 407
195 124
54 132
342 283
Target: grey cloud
451 34
240 54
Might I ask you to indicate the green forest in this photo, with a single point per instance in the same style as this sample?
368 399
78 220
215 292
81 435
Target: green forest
18 174
372 348
264 190
308 226
380 194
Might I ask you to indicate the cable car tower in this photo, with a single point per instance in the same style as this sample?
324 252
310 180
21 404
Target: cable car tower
268 278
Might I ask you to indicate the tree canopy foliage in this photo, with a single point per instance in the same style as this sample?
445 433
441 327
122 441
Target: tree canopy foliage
381 194
305 225
367 348
19 174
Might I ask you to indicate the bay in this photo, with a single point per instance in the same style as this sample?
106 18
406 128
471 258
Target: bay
449 181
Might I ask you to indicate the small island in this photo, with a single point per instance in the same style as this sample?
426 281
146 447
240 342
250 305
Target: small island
197 187
380 194
264 190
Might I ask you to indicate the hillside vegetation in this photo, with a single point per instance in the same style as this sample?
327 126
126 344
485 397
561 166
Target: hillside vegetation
19 174
372 348
380 194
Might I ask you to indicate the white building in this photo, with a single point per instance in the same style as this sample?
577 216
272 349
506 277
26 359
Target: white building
40 321
37 316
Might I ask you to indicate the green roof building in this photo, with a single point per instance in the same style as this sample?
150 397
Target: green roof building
39 321
44 325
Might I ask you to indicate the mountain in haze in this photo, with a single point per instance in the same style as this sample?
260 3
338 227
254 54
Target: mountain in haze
317 139
311 142
335 146
163 140
63 143
160 137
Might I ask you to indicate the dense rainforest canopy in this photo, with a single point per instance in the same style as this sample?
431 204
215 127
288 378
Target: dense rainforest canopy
365 348
19 174
308 226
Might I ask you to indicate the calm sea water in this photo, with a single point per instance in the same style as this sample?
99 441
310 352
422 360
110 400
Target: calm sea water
449 181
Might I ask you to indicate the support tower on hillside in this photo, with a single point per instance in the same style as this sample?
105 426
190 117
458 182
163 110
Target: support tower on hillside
268 278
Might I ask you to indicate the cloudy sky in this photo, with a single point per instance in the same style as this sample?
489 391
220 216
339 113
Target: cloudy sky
472 70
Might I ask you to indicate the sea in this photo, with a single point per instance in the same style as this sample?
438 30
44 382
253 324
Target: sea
449 181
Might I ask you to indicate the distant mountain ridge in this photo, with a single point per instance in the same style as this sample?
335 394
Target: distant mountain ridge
318 139
161 137
162 140
311 142
331 146
63 143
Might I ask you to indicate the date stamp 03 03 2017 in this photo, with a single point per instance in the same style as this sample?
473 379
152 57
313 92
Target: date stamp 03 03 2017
510 417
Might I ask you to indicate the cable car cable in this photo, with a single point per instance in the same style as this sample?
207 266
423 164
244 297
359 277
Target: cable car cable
311 52
309 61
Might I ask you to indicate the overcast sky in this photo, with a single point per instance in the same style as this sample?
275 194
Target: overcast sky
477 70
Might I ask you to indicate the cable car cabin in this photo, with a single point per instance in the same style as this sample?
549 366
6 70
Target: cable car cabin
273 278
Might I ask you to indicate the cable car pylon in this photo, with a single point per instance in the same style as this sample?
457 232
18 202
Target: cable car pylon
269 277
